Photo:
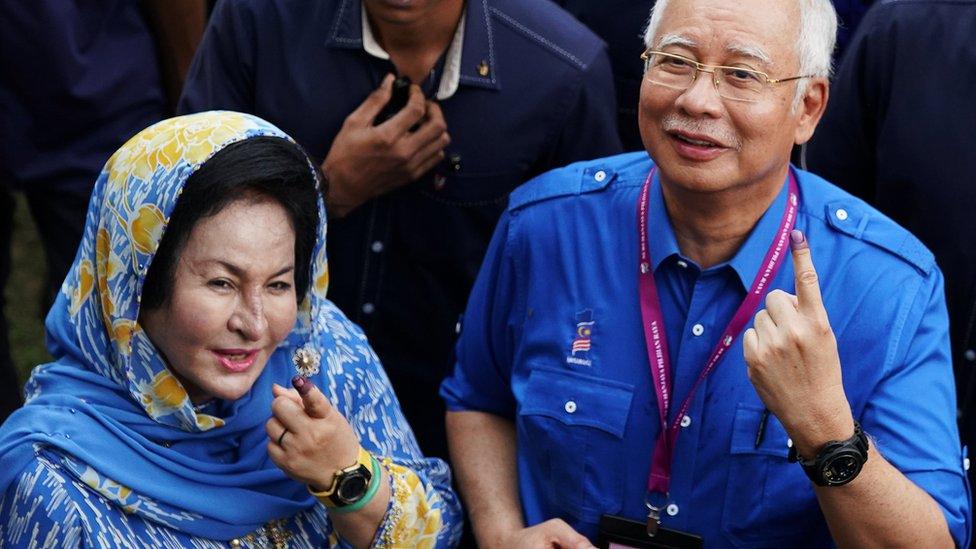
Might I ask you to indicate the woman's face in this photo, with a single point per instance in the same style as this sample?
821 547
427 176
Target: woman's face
232 302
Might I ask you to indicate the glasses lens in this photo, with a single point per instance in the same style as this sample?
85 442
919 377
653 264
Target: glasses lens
673 72
740 84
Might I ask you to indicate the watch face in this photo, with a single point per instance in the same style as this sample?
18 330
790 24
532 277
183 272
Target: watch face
842 468
352 488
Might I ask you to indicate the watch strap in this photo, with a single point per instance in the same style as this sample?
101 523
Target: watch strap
856 446
363 459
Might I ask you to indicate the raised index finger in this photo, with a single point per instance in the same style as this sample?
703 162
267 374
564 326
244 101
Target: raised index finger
808 295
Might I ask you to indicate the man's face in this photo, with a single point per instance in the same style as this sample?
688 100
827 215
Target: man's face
747 142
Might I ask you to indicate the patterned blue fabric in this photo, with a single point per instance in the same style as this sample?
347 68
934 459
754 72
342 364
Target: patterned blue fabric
114 435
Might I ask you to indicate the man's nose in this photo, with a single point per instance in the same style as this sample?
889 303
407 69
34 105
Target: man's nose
702 97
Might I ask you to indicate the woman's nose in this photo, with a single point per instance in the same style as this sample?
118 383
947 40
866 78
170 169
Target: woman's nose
248 317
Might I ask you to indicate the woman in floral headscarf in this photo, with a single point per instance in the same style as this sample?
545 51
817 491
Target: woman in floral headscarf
198 290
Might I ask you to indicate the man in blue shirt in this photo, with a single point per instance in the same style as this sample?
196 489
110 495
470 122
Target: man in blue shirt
562 372
503 90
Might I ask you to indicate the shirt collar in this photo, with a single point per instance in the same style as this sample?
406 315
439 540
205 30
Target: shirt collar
746 261
470 57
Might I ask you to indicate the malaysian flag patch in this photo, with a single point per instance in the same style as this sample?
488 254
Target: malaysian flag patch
583 340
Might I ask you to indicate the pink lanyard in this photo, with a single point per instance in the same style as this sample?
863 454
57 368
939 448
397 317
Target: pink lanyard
659 480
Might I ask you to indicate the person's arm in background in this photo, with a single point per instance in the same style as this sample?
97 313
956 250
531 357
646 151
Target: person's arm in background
178 27
842 149
480 429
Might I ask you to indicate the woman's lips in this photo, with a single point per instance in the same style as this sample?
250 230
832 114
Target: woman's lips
236 360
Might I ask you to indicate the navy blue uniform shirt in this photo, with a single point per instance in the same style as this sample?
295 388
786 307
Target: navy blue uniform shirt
76 80
566 251
899 131
535 91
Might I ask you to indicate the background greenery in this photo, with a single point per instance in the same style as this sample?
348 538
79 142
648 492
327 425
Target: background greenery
23 294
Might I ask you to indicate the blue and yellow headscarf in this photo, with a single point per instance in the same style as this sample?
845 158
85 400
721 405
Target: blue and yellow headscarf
109 405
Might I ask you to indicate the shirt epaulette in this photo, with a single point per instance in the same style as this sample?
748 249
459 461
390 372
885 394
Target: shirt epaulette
860 221
575 179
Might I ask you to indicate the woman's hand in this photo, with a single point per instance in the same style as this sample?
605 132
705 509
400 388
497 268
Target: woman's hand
308 439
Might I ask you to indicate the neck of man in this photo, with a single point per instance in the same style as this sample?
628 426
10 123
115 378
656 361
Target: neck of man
415 45
710 227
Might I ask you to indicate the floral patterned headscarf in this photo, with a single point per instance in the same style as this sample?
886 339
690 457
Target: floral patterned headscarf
137 191
109 405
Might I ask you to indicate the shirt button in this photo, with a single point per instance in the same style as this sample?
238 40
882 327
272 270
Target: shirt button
965 464
377 246
970 355
570 407
600 176
698 329
683 264
841 214
368 308
672 510
685 421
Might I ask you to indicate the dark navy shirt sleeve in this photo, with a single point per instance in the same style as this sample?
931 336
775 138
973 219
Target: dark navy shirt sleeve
224 62
590 130
918 435
482 374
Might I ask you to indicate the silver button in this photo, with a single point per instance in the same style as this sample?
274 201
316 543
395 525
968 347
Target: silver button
457 328
570 407
368 308
600 176
698 329
970 355
683 264
965 464
377 246
685 421
841 214
672 510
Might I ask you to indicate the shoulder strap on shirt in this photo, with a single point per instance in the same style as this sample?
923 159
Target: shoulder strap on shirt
855 218
571 180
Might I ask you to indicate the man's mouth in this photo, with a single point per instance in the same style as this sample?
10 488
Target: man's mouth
698 141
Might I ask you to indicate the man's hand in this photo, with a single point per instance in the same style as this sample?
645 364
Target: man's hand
551 534
366 161
793 363
319 440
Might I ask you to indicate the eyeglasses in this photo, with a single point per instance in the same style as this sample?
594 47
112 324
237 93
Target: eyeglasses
736 83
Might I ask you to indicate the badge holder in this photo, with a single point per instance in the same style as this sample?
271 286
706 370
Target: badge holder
621 533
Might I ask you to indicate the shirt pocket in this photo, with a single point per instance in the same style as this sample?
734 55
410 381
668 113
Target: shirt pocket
577 422
769 502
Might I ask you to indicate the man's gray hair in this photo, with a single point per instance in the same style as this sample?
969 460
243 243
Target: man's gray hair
815 44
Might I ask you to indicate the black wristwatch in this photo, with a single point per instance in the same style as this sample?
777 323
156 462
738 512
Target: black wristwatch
838 462
349 485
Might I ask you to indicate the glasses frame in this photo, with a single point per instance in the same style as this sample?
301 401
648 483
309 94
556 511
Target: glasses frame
711 69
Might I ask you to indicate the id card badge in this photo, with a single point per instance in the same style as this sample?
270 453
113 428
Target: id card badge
622 533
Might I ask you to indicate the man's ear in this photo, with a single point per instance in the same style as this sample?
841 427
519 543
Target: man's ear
811 108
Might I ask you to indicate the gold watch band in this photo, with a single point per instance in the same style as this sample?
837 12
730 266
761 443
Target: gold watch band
363 459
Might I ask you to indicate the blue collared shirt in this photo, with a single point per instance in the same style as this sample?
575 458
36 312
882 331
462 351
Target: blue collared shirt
534 92
566 252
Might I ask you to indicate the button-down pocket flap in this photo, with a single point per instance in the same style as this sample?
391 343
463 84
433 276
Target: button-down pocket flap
577 399
746 429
